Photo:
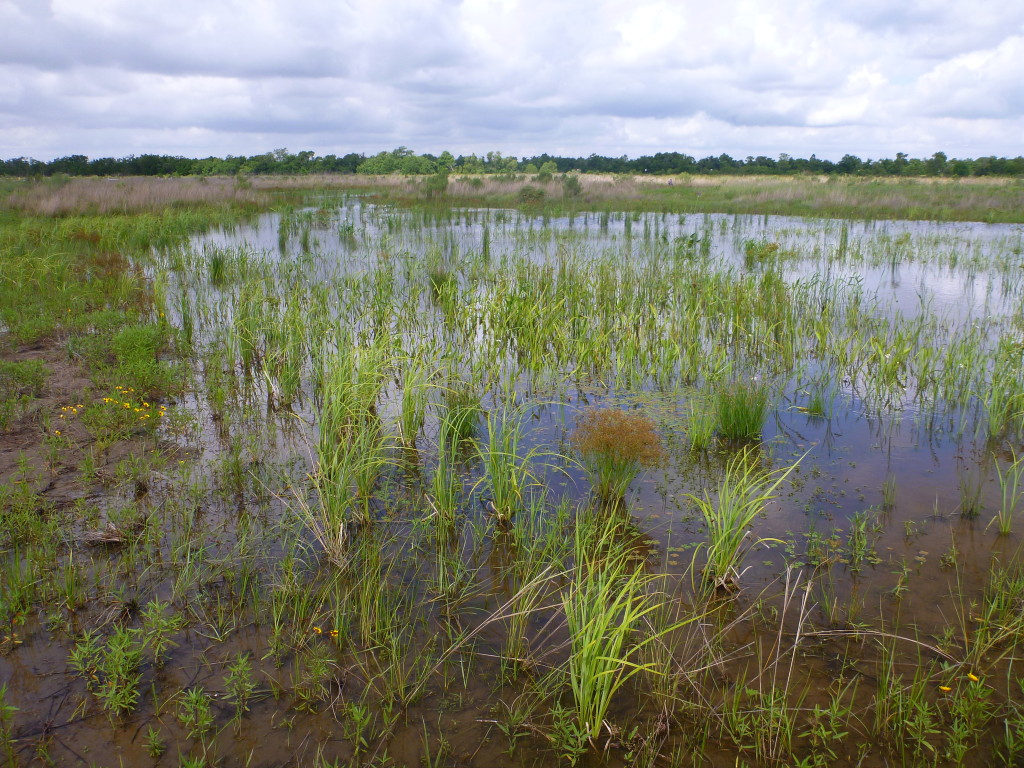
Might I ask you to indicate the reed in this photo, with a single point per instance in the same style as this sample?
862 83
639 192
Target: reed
1011 493
740 410
743 492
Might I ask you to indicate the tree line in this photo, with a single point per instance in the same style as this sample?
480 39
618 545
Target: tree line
404 161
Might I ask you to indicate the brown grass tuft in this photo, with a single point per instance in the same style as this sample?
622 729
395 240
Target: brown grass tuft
618 435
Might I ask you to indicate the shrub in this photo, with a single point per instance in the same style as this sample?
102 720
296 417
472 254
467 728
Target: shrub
531 195
614 445
571 186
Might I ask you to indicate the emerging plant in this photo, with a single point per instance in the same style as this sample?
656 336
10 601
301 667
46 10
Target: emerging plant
1011 493
700 427
239 684
119 672
604 610
414 402
460 419
195 712
741 408
154 741
743 492
507 473
157 628
357 726
615 445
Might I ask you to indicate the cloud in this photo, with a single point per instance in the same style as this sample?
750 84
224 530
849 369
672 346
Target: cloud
610 76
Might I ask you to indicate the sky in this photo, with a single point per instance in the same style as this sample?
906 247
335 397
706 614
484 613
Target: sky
522 77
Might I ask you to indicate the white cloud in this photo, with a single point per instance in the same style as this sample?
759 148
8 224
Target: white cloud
570 76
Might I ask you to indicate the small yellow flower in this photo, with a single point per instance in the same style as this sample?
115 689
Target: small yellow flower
972 677
334 633
317 630
945 688
57 432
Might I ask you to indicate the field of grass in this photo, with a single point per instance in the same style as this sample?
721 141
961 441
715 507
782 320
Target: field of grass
367 476
988 200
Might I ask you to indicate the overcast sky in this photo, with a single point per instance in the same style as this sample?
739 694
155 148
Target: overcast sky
571 77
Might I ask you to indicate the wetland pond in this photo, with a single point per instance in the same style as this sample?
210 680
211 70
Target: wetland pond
386 545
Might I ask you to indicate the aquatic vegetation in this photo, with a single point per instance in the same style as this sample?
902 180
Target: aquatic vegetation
604 609
742 495
367 488
741 408
1011 491
615 445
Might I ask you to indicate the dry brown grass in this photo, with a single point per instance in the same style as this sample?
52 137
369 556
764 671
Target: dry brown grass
52 197
884 197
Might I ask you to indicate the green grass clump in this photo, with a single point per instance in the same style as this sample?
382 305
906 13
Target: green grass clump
743 492
460 420
604 609
615 445
22 378
740 409
1011 493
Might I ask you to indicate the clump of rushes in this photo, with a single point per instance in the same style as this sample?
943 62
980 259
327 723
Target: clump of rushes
615 445
743 492
605 609
741 408
1011 493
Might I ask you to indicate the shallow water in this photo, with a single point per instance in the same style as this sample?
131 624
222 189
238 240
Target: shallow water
354 266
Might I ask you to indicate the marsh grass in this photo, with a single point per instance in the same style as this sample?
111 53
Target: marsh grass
507 474
604 609
700 426
742 495
462 411
741 408
1011 493
615 445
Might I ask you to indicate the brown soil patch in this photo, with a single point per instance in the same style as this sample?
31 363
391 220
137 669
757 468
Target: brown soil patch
56 475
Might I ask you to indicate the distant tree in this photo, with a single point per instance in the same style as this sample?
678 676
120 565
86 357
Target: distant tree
849 164
446 161
472 164
382 164
72 165
937 164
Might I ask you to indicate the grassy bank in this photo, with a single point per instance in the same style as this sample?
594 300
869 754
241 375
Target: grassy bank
998 200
